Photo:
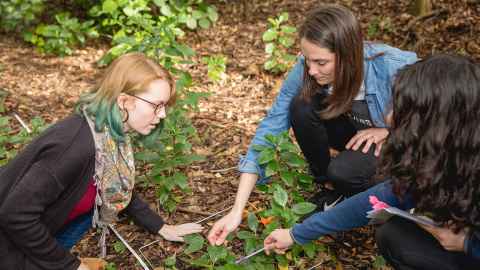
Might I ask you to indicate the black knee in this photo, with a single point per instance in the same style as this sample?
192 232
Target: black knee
344 179
386 237
351 171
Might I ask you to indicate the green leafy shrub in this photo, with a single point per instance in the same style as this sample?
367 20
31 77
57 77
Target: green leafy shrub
11 140
289 181
379 24
59 38
18 15
216 65
278 39
191 13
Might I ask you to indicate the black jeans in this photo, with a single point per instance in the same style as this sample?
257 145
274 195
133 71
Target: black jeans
406 246
351 171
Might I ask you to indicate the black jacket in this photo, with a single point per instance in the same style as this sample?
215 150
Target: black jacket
40 187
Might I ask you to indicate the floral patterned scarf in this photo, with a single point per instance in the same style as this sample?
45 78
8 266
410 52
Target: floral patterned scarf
114 178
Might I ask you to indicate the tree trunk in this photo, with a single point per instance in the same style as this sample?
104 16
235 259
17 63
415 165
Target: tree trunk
421 7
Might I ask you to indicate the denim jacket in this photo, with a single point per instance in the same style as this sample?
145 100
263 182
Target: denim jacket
352 213
381 62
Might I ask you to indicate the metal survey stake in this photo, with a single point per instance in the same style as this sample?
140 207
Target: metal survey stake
22 123
139 259
213 215
239 261
315 266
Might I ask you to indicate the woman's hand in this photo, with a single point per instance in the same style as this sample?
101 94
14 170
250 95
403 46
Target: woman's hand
176 232
223 227
279 241
368 136
447 238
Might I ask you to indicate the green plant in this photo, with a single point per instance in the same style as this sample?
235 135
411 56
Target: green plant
110 266
216 65
379 262
12 140
170 263
119 247
287 170
191 13
18 15
170 150
379 24
278 39
59 38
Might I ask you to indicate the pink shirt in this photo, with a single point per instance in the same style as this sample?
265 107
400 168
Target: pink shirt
85 204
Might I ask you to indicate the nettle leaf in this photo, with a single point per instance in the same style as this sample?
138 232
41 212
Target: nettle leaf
272 138
203 261
212 13
282 261
191 22
305 178
244 235
283 17
266 156
287 177
259 148
272 168
288 29
286 41
119 247
170 261
269 48
303 208
181 180
252 222
310 249
109 6
379 262
280 196
293 159
251 245
166 10
272 226
146 156
269 35
230 266
195 243
217 253
270 64
204 23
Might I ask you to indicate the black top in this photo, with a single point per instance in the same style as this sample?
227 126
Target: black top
40 187
359 115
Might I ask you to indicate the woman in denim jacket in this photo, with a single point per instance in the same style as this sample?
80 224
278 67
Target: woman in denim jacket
432 156
336 96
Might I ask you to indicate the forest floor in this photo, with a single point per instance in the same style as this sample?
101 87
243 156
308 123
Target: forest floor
49 86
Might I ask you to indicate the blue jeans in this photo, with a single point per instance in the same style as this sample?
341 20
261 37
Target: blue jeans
72 232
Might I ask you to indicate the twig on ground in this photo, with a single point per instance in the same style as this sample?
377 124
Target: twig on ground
412 23
186 210
223 170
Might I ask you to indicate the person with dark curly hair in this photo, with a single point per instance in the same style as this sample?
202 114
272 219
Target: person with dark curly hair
336 96
433 158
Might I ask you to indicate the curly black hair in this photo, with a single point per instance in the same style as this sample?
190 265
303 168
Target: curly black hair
433 151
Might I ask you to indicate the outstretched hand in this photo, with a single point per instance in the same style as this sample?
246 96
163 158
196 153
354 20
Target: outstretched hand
176 232
368 136
278 241
447 238
223 227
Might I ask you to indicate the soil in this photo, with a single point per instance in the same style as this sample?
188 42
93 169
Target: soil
48 86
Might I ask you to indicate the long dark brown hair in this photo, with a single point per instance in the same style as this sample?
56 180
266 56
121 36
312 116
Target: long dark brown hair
335 28
433 151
